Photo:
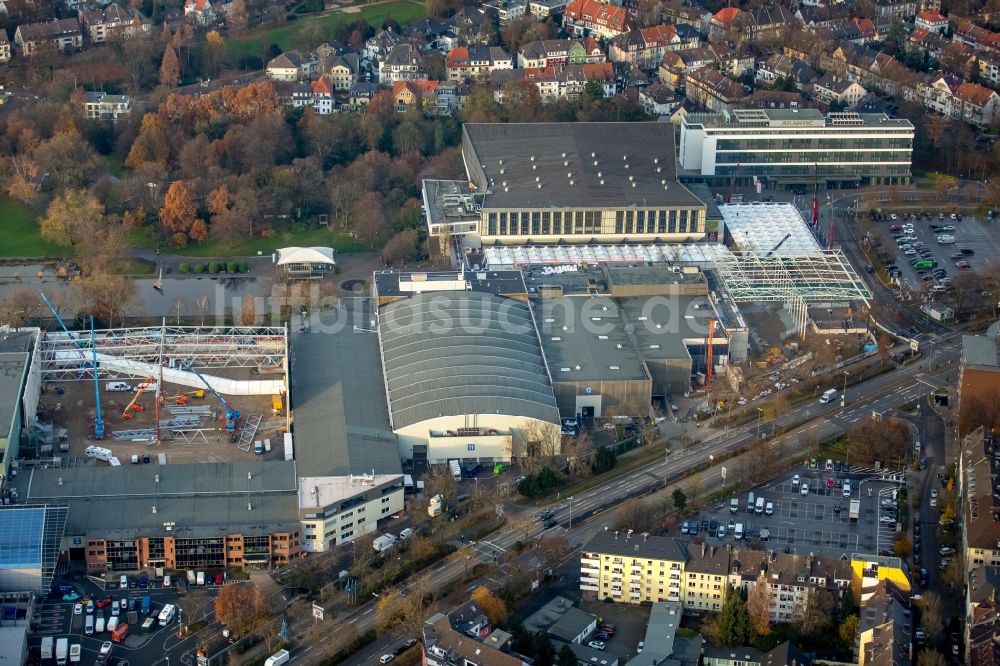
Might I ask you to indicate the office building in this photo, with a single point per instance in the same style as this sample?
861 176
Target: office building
565 182
30 540
788 147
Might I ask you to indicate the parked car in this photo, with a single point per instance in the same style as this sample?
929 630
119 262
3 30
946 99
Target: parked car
386 658
596 645
77 609
804 489
795 480
967 252
684 527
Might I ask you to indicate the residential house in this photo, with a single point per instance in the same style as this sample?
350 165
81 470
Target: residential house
776 99
869 31
841 30
689 35
982 615
885 625
410 95
931 21
989 69
291 66
723 23
786 654
887 11
542 9
402 63
978 37
937 93
958 58
561 620
976 104
475 62
472 25
831 89
445 645
556 53
769 22
779 67
714 90
978 465
734 61
4 47
58 35
923 41
506 10
381 43
433 34
112 22
340 66
556 83
199 12
812 16
102 106
706 577
676 65
451 97
659 100
585 17
318 94
361 94
644 48
687 13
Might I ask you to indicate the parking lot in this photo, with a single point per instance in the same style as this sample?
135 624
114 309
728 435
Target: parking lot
977 243
817 522
58 617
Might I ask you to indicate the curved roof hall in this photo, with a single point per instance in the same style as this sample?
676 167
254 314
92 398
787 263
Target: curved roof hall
457 353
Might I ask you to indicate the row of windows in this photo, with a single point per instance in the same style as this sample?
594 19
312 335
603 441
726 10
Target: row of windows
815 143
588 222
822 160
806 171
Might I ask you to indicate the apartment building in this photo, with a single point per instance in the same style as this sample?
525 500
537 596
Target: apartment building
102 106
586 17
978 378
56 35
4 47
402 63
706 576
979 463
113 21
633 568
784 147
644 47
475 62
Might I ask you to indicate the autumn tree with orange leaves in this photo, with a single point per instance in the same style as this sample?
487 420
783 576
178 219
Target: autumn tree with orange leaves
178 212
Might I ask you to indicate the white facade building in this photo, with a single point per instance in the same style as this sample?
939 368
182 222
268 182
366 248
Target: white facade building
338 509
793 146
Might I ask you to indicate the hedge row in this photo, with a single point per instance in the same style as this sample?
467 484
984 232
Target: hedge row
214 267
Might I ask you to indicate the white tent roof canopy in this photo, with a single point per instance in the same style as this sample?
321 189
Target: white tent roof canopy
305 255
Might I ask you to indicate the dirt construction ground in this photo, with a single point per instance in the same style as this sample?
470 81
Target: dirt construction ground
74 410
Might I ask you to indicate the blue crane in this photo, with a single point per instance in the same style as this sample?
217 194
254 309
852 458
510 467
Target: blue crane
99 421
232 414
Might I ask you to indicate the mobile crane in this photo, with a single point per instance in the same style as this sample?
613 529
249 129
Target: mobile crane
232 414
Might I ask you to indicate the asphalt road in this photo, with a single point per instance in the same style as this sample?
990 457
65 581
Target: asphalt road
582 517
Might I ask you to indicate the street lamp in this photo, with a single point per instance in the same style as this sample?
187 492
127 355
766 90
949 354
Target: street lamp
760 410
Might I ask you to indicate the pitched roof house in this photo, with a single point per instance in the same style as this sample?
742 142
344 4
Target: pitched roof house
113 21
59 34
644 47
582 17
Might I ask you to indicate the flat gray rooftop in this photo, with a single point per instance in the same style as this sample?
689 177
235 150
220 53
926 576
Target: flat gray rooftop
979 350
584 339
395 283
663 323
634 275
341 417
200 499
14 356
642 151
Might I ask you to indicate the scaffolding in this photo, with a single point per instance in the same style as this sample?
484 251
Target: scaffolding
259 348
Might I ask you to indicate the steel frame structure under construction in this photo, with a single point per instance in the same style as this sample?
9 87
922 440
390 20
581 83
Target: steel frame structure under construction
756 277
61 358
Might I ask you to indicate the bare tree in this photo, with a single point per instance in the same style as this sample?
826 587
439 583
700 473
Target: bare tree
202 304
633 514
931 614
248 311
177 307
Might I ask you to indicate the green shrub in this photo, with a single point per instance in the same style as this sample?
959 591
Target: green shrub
231 267
241 267
213 267
184 268
198 269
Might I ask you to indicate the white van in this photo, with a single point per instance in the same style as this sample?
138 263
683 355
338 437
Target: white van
739 531
112 623
769 509
123 582
258 447
99 625
88 627
828 396
759 509
118 386
166 581
847 488
190 577
267 445
734 505
201 578
750 503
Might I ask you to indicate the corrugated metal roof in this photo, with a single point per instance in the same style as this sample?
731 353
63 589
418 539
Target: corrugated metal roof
456 353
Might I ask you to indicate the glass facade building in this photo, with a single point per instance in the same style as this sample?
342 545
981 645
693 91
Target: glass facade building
30 540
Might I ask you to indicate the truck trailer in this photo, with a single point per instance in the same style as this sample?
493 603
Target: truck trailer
456 469
62 651
48 647
855 510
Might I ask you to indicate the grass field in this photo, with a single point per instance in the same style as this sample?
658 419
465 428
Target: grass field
338 240
404 11
19 234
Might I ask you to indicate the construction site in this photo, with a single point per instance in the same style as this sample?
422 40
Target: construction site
167 394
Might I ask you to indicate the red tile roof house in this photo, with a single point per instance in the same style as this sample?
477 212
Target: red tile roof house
931 21
583 17
723 21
